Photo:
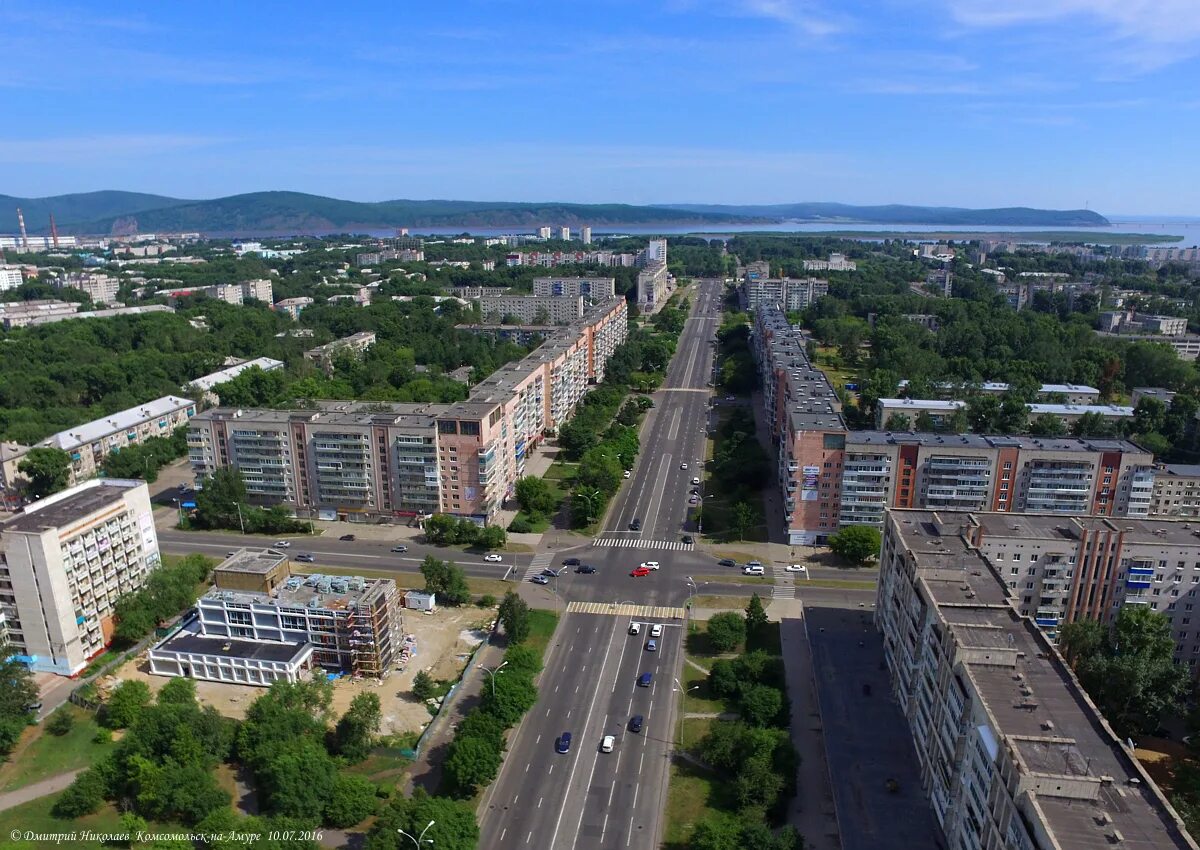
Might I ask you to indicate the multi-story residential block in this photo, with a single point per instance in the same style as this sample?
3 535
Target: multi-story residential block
19 314
1063 393
230 293
997 473
564 233
354 460
90 443
1157 393
544 232
941 281
654 252
1012 752
65 561
806 426
260 624
1132 322
355 345
293 307
101 288
756 270
550 259
206 383
1187 346
592 288
1176 490
10 277
533 309
404 255
653 286
788 293
938 410
361 296
835 263
585 235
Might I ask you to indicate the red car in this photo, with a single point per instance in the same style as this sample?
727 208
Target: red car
639 572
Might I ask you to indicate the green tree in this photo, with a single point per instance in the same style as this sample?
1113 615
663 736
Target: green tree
358 728
220 499
178 691
424 686
445 579
958 423
125 703
514 616
471 763
454 826
61 722
491 537
600 469
48 470
717 832
18 692
925 422
352 800
726 631
761 705
756 616
83 796
441 529
1047 425
856 543
535 496
509 697
897 422
743 519
1081 639
297 779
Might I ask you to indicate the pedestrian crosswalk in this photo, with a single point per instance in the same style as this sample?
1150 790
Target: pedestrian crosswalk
626 609
540 561
784 588
639 543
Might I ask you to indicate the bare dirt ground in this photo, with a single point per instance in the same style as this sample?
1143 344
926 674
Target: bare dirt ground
444 641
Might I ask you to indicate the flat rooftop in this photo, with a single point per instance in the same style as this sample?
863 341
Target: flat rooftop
252 561
984 441
307 591
224 647
71 506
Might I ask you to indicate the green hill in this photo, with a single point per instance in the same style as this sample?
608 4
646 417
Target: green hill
70 211
905 214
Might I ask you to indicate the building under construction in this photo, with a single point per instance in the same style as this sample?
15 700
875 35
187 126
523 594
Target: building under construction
260 623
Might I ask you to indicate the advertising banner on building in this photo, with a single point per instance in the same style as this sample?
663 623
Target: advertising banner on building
808 486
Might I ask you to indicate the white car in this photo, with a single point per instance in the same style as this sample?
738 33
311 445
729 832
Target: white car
796 568
683 466
695 480
635 628
282 544
754 571
626 474
649 565
656 630
494 559
607 744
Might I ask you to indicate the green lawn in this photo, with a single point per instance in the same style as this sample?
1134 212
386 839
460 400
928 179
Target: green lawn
720 602
49 755
558 488
694 792
541 629
699 701
561 470
830 362
35 816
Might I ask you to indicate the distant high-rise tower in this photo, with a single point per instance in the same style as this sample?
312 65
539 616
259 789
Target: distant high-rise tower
544 231
564 233
585 233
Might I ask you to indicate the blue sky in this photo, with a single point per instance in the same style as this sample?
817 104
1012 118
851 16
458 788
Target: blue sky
1055 103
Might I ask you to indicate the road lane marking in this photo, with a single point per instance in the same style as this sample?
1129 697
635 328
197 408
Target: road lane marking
642 760
612 790
604 825
503 832
529 836
539 802
539 739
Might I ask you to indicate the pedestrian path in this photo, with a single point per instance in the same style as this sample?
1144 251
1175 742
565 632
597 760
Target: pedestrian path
785 585
639 543
625 609
540 561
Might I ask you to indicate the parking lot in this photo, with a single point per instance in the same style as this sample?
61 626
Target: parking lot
867 741
444 641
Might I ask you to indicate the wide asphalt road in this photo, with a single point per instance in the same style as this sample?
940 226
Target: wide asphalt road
586 798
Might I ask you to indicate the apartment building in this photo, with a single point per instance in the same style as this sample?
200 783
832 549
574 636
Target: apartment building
1063 393
1176 491
205 384
551 259
1063 476
653 286
806 426
65 561
354 345
533 309
1132 322
230 293
654 252
1187 346
938 410
592 288
940 281
354 460
111 312
19 314
1071 413
259 624
293 307
89 444
789 293
1157 393
10 277
585 235
404 255
101 288
1012 752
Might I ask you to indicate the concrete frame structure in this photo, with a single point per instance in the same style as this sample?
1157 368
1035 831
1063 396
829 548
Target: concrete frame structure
356 460
1012 752
65 561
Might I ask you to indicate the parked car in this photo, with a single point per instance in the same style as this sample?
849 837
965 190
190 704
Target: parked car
635 723
305 558
540 580
585 569
645 679
562 744
656 630
640 572
493 558
635 628
626 474
754 563
571 562
695 480
693 500
399 548
607 743
727 562
347 538
282 544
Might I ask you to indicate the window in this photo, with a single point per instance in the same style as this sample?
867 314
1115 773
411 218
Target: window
1032 571
1015 571
1029 585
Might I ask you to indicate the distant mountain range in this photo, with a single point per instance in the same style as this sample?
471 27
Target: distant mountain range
295 212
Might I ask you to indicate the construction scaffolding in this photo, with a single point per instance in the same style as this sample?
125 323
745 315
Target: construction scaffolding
369 628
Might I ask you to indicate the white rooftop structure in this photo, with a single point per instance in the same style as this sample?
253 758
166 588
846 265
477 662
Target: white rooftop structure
923 403
130 419
207 382
1109 411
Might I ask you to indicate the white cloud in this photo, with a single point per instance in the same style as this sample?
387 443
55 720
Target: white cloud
101 147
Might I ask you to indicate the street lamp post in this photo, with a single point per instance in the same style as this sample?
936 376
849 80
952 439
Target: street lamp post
417 841
492 675
683 708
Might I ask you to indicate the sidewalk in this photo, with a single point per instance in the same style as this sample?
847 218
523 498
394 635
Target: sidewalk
427 769
12 799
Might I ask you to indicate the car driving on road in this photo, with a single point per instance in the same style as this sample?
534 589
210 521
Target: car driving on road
586 569
636 525
282 544
695 480
727 562
656 630
399 548
571 562
649 565
540 580
607 743
796 568
640 572
635 723
751 570
652 645
347 538
493 558
563 743
305 558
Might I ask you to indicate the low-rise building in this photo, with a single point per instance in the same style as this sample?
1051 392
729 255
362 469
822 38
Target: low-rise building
1012 752
354 345
18 314
1132 322
293 307
90 443
111 312
1070 413
206 383
938 410
65 561
1157 393
1187 346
